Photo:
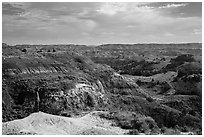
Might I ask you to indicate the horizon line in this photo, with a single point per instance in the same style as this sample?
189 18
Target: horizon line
101 44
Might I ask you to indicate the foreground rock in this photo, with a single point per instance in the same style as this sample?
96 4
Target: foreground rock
46 124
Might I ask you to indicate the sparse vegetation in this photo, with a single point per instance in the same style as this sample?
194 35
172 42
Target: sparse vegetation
157 94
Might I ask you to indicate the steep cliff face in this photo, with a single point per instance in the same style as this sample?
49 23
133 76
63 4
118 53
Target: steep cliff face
46 63
82 97
66 82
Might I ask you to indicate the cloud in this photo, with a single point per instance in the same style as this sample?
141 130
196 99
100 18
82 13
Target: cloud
88 24
169 34
112 8
173 5
11 9
85 33
197 32
102 22
108 33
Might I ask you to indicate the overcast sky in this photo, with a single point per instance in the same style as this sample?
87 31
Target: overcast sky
99 23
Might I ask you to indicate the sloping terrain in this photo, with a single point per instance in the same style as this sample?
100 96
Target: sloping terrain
141 91
46 124
62 80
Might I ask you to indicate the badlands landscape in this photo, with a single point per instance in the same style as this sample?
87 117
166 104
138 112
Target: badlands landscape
108 89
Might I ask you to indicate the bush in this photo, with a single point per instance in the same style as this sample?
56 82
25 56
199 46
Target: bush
24 50
184 58
134 122
133 132
89 100
170 131
189 69
150 99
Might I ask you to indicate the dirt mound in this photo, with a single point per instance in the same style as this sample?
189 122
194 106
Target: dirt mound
44 124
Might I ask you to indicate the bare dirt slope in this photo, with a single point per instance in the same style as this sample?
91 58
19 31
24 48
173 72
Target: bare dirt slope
47 124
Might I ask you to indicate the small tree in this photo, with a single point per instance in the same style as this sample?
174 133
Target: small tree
24 50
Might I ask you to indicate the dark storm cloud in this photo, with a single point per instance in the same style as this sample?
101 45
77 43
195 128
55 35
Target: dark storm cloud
9 9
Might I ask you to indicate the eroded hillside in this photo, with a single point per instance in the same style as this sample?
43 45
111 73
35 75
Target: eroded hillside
153 90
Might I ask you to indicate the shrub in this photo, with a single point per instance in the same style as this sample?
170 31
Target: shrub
150 99
170 131
89 100
24 50
133 132
184 58
189 69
